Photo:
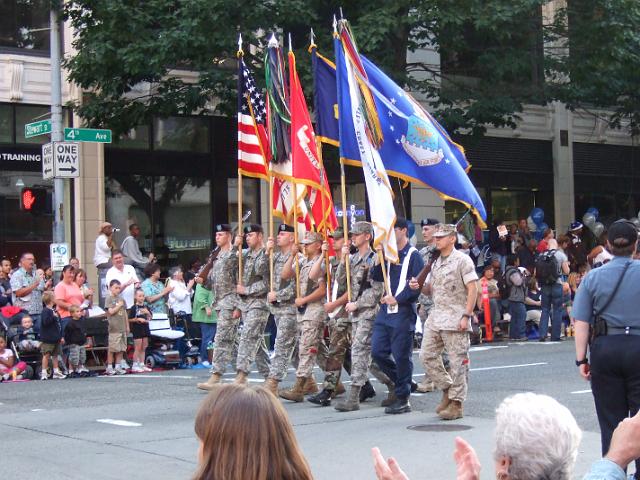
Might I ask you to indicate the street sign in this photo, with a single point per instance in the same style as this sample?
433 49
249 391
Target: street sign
87 135
37 128
47 161
66 160
59 253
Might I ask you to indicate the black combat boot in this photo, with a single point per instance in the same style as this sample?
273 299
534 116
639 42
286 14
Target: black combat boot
367 392
401 405
323 398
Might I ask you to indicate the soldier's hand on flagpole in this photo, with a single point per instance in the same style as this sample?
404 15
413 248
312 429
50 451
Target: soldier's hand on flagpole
271 297
238 241
241 290
328 307
236 314
270 244
351 307
325 247
345 252
300 302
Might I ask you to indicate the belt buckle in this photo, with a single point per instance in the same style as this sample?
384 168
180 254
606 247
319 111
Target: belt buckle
626 330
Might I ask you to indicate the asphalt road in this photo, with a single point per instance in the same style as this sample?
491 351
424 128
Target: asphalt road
142 425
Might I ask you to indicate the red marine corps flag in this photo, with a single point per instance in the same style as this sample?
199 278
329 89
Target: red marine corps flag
307 166
253 151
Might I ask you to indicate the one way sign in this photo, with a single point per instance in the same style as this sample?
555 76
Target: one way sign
66 159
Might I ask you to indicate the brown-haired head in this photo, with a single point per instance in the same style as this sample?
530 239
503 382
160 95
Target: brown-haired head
246 435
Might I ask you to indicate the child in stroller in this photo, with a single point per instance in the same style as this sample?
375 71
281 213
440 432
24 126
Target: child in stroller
9 369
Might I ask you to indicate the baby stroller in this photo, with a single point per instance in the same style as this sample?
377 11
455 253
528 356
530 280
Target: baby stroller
162 350
32 357
189 346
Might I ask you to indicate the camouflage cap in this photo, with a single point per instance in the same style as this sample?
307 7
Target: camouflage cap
337 233
444 230
312 237
361 227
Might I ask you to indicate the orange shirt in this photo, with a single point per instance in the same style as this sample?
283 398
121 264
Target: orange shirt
69 293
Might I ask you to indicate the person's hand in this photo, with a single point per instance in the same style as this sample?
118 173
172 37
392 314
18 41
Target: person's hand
345 251
190 284
378 248
48 284
167 289
208 311
136 284
585 371
351 307
389 300
566 288
272 297
237 242
386 469
241 290
625 442
325 247
199 280
464 324
300 302
467 462
270 244
236 314
413 284
152 257
62 341
329 307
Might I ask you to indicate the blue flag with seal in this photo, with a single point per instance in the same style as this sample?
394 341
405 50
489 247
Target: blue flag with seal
326 98
415 147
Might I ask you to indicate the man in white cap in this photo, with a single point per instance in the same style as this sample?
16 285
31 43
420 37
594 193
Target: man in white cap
104 245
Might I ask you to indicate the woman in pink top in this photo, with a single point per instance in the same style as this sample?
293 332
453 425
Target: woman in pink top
67 293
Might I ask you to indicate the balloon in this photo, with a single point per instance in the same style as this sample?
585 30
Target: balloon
531 224
635 221
589 219
598 229
595 211
411 230
537 215
543 226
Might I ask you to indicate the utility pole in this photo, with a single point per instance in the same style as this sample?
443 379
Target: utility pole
56 119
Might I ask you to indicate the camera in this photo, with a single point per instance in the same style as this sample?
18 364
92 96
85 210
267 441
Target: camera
114 229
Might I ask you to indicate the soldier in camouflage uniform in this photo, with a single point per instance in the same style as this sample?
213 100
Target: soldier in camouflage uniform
253 305
281 305
362 310
339 323
425 302
454 288
223 277
310 316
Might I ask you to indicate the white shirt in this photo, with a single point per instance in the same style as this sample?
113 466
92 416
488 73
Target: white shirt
123 277
180 297
102 253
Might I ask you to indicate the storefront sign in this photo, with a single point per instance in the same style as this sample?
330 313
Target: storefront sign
20 158
59 253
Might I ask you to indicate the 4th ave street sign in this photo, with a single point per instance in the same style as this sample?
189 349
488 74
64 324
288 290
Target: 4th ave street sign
37 128
87 135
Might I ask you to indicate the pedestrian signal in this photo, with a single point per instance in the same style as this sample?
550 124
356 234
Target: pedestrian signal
33 200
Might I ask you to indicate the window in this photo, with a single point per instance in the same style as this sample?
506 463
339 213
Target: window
137 138
183 134
24 24
250 199
6 124
29 114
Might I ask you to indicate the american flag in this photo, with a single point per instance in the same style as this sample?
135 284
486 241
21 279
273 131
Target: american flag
253 145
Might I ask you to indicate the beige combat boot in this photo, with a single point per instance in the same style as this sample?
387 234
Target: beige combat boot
272 385
295 393
426 386
453 411
310 386
391 396
444 403
352 402
214 379
241 378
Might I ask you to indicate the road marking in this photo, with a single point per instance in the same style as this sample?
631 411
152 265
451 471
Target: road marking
507 366
581 391
140 375
487 347
120 423
37 410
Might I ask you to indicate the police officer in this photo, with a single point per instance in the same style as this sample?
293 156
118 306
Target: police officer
454 288
252 292
425 301
396 320
607 302
223 277
281 305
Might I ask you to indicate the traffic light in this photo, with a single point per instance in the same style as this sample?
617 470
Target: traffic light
33 200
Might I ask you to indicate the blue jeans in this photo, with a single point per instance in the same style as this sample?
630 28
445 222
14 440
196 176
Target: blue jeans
208 333
551 304
518 314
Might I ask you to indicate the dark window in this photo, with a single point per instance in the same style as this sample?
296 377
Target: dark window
137 138
185 134
25 24
6 124
29 114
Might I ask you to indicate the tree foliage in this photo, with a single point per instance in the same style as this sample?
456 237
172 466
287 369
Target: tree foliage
496 55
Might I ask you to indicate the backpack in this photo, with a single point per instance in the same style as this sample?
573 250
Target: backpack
547 268
504 287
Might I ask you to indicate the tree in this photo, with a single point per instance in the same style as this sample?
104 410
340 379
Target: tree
493 54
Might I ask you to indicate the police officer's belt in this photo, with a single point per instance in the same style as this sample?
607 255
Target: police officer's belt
623 331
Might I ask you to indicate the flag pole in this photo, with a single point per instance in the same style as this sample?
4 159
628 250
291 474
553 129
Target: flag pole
343 188
239 54
270 180
295 233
